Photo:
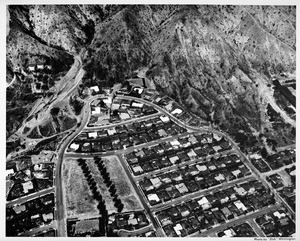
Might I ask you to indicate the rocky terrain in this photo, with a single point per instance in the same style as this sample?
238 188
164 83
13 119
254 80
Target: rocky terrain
218 61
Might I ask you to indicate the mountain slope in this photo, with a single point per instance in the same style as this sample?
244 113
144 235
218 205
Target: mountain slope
216 60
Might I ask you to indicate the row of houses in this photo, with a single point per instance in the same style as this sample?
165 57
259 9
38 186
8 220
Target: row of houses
219 207
276 224
166 186
124 136
29 215
178 150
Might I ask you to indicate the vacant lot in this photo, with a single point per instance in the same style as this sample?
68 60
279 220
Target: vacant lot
118 176
79 201
124 188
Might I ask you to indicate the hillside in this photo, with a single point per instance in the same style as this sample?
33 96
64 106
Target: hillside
218 61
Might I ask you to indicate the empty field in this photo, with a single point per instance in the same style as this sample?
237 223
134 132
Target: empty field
78 198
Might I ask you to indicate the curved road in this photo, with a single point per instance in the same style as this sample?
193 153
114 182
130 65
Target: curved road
60 212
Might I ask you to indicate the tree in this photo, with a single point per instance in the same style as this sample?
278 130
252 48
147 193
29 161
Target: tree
264 152
112 187
120 207
113 192
97 159
106 180
76 104
54 111
103 171
108 183
38 86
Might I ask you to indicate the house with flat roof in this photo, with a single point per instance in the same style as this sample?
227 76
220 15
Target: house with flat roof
181 187
155 182
27 186
153 197
95 88
164 119
177 111
173 159
240 206
19 208
178 229
92 134
204 203
96 110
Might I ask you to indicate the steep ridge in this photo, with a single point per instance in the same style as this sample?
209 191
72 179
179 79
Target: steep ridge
216 60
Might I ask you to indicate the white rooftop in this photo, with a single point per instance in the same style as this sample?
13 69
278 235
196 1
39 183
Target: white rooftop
95 88
177 228
236 172
124 116
74 146
27 186
153 197
175 142
181 188
201 168
192 153
217 137
92 134
96 111
137 169
155 181
137 104
173 159
279 215
255 156
220 177
164 119
9 171
240 205
111 131
203 201
228 233
176 111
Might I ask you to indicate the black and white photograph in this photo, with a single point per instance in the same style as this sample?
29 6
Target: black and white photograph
150 120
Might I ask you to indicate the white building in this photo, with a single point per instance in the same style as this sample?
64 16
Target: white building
177 228
164 119
95 88
176 111
175 143
153 197
9 171
204 203
137 104
40 66
111 131
173 159
96 111
92 134
27 186
240 205
124 116
74 146
31 68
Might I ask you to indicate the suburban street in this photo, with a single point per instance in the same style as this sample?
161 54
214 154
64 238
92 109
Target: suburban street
128 149
156 225
126 233
96 128
238 221
149 210
191 196
188 163
40 229
30 197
